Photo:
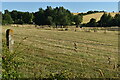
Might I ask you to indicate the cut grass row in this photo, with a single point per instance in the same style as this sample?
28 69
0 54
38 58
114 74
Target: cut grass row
47 51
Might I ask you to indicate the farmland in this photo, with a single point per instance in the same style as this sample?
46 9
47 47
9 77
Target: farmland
86 54
96 16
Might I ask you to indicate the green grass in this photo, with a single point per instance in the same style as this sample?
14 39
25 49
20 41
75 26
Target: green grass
46 51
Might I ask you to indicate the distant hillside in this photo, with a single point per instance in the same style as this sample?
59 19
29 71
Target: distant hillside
96 16
75 13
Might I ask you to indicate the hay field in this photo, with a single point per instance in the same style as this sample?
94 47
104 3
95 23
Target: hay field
47 51
96 16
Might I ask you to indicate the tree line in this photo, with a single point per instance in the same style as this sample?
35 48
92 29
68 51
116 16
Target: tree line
105 21
50 16
90 12
58 16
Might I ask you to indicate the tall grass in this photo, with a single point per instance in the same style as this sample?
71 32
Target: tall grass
9 64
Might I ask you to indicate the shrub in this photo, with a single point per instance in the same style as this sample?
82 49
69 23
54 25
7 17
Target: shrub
9 64
63 75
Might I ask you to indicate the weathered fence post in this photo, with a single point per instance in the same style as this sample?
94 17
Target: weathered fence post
9 39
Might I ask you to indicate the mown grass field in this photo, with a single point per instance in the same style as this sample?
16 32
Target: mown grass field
44 51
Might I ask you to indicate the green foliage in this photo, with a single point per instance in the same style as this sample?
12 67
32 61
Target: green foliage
7 19
17 17
109 20
7 12
62 16
50 16
39 17
14 15
49 20
19 21
27 17
9 64
116 20
63 75
105 20
77 19
49 11
90 12
92 23
57 16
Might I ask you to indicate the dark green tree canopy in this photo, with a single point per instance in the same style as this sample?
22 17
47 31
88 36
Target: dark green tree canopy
49 16
39 17
27 17
7 19
105 20
117 20
77 19
49 21
92 23
58 16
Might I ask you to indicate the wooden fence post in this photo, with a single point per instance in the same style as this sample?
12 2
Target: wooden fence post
9 39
